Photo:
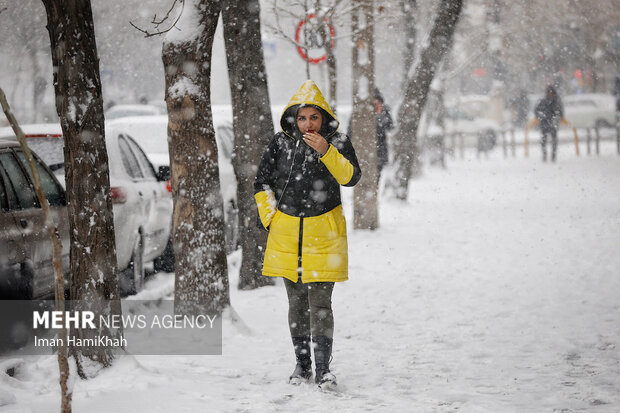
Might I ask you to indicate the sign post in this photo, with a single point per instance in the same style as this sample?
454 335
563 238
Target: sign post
311 38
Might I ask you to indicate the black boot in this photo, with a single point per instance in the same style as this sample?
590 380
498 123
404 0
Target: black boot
303 369
322 356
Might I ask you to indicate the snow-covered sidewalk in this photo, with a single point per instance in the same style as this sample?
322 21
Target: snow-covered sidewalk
495 288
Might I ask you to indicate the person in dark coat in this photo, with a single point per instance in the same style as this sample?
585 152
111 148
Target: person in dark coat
549 112
384 124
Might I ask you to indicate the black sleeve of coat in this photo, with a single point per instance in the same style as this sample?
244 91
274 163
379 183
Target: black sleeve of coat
267 169
539 111
266 174
345 147
387 121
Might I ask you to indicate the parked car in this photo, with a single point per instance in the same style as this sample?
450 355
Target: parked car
151 132
465 123
121 111
459 121
590 110
25 246
142 202
471 115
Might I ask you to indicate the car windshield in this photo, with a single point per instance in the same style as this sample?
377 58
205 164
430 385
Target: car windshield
152 137
453 113
50 150
575 103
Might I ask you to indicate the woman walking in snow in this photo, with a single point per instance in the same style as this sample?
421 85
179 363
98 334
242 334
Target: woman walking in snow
297 191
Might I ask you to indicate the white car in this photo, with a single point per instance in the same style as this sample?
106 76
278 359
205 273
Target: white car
471 116
590 110
459 121
122 111
142 202
151 132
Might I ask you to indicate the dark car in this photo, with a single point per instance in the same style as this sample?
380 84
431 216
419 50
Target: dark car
26 269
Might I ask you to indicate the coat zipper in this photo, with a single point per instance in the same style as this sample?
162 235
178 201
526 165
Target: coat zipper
301 235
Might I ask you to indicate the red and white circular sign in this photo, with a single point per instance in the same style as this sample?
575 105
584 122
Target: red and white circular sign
313 37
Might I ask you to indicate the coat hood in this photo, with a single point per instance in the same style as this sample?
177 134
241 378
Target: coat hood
551 89
308 95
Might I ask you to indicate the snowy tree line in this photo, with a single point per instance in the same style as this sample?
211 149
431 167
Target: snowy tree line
536 41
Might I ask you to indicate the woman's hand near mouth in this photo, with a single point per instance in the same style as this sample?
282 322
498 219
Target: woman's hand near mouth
316 142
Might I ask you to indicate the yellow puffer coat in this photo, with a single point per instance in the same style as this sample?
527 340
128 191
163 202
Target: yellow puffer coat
298 197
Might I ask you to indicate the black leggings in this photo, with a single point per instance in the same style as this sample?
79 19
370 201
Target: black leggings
310 308
554 143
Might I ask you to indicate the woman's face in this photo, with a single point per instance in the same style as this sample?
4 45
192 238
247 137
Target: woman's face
309 119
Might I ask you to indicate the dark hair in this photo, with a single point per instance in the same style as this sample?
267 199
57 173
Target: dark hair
378 95
325 117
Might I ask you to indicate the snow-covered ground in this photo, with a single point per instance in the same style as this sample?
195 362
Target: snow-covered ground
495 288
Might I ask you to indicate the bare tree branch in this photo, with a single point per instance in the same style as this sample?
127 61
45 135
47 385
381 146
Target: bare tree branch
330 13
278 31
158 23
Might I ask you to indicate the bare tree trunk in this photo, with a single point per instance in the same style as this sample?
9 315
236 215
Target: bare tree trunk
252 125
330 60
416 91
198 219
307 61
94 282
409 8
38 86
59 279
332 75
364 122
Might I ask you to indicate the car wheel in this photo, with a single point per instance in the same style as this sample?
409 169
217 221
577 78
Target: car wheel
601 123
165 262
486 140
24 286
132 278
